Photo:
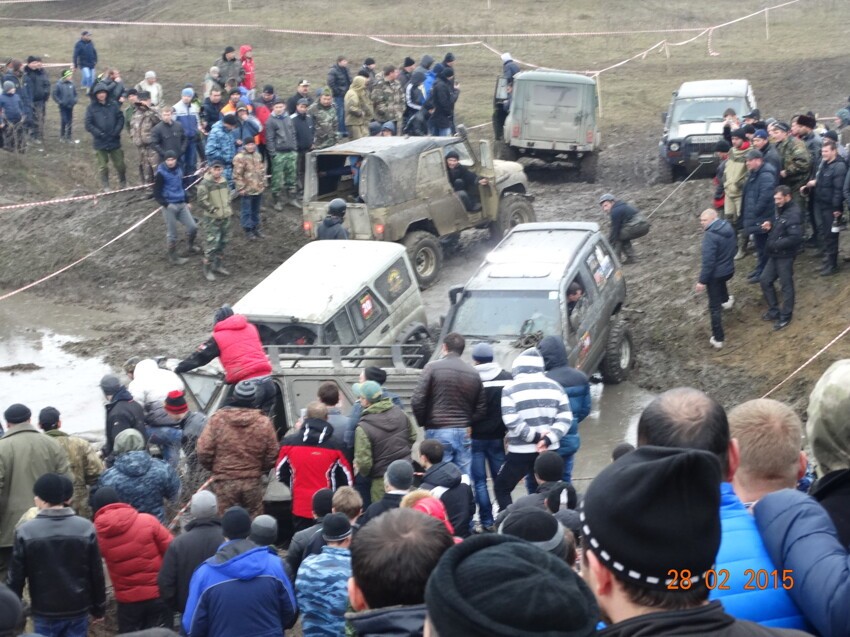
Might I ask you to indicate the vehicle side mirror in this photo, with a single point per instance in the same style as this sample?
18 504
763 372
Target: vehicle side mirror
454 294
664 117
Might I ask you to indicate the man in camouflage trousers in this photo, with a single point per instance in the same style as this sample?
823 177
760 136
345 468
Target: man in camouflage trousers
282 147
213 200
239 446
249 177
388 98
86 465
326 120
796 162
141 127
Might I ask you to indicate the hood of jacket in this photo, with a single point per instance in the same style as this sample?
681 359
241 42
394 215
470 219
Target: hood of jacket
134 464
234 322
426 61
488 371
358 84
553 351
398 621
121 394
240 416
331 220
240 559
722 228
445 474
315 432
528 363
385 404
243 50
115 519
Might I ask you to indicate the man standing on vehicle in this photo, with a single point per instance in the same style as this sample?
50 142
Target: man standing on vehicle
236 342
718 266
448 399
626 224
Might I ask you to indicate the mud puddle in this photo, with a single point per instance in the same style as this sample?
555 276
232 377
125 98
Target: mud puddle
37 370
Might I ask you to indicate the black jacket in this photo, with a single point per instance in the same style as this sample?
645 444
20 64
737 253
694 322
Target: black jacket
833 493
38 85
771 156
709 620
389 502
462 175
829 189
490 426
449 394
446 480
443 97
122 413
298 547
197 543
786 231
57 553
305 131
417 126
292 102
757 204
105 122
537 500
718 251
165 137
211 113
621 213
339 80
331 228
395 621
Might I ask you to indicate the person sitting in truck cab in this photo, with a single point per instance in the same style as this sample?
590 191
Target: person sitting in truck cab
464 182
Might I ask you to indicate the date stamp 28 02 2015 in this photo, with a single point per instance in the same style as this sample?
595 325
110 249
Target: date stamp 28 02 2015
757 580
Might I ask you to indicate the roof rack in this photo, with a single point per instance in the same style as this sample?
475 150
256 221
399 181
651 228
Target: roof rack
398 356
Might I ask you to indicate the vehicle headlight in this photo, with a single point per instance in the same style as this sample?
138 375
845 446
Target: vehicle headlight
675 146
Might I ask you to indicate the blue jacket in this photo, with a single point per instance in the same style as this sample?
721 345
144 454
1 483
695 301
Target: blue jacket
187 117
742 548
757 204
241 591
718 251
65 93
575 384
800 537
142 481
220 145
168 185
12 106
85 55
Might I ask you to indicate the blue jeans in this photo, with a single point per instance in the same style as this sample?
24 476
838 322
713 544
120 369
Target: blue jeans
52 627
457 445
168 439
484 453
250 218
339 105
444 132
189 159
88 77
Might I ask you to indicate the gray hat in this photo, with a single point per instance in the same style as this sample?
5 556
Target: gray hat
400 474
245 390
263 530
8 86
754 153
204 505
607 197
482 352
129 440
110 384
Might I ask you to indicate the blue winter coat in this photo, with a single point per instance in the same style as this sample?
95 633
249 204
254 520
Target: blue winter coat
65 94
757 205
12 106
742 548
168 185
142 481
800 537
220 145
718 251
575 384
85 55
241 591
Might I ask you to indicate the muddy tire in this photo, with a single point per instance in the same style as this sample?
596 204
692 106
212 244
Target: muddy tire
506 152
667 173
513 210
619 354
587 168
417 334
426 255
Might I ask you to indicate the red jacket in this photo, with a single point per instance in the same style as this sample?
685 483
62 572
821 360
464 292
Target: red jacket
133 545
309 461
248 65
240 350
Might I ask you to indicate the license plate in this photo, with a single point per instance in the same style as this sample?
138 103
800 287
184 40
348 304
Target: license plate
704 139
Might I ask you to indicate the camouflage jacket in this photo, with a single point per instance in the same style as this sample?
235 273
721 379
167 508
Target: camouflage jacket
387 100
238 444
86 468
321 588
213 197
796 161
327 124
249 173
141 126
735 172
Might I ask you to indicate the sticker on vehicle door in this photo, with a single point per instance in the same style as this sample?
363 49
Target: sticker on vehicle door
584 348
367 306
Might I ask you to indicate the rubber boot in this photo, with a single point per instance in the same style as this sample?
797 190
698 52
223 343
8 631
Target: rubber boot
122 179
743 239
293 199
173 257
208 273
191 248
218 268
278 204
104 180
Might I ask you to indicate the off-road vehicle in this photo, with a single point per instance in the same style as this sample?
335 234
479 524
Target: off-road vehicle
398 190
694 123
548 115
519 295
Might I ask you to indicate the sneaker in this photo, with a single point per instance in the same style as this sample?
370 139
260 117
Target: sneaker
258 234
753 278
715 343
729 304
780 324
770 316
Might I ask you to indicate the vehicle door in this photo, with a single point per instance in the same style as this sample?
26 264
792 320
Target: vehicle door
488 193
581 320
370 318
432 186
599 267
552 111
395 287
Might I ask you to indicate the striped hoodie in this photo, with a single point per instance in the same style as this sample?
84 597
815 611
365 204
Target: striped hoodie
533 405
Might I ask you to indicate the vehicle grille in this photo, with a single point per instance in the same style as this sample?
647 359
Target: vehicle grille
701 144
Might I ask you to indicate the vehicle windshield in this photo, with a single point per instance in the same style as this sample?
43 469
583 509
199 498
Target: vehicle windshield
493 314
705 109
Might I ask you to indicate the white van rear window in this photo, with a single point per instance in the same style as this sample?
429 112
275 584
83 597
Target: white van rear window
554 95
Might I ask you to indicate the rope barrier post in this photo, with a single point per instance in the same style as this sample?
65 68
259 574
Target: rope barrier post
766 25
598 79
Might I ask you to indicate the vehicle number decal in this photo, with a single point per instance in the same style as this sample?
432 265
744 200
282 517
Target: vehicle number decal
367 306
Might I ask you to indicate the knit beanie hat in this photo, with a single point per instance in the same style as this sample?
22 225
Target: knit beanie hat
322 502
549 466
654 510
11 611
375 373
187 92
110 384
447 73
103 497
408 61
739 132
536 526
529 592
129 440
225 311
245 391
827 427
48 418
67 73
54 488
844 115
8 86
204 505
17 413
236 524
175 402
336 527
263 530
400 474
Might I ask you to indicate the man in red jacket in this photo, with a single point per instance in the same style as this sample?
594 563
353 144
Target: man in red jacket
133 545
236 342
309 460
